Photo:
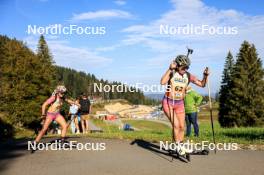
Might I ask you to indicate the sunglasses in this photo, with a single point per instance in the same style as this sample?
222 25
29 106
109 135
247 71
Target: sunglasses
184 68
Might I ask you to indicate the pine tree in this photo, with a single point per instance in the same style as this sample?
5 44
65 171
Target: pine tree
246 99
47 70
19 82
256 88
225 91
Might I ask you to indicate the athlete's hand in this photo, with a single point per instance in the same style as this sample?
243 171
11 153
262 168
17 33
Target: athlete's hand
173 65
206 71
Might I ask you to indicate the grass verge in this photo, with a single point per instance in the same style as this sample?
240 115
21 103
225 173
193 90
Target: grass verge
153 131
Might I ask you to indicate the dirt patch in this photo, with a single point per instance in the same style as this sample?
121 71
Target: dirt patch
126 110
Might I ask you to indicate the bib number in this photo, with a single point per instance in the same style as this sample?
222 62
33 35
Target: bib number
178 91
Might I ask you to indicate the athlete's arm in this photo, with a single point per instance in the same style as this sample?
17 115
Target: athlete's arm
166 77
69 101
44 106
72 102
78 104
202 83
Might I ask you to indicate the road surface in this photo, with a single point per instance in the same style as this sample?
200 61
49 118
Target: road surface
122 157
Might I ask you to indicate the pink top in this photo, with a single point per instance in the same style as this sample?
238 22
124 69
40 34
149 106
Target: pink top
55 104
51 99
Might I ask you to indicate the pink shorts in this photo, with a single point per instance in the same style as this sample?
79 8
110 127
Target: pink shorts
176 105
53 115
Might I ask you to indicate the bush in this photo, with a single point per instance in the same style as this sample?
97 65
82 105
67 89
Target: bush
6 130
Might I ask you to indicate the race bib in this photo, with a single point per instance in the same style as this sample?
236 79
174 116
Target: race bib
178 85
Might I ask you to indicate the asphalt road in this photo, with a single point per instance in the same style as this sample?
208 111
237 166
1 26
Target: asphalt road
124 158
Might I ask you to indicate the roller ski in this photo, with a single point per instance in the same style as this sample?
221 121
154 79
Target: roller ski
34 149
181 153
200 152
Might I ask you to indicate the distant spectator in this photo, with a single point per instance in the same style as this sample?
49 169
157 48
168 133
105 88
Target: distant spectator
74 118
85 110
192 101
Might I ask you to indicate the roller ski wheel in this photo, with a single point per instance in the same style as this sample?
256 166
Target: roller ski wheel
32 150
205 152
186 157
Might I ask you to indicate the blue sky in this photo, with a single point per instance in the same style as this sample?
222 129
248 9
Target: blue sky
132 49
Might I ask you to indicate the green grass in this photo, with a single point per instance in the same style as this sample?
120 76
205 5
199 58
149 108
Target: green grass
153 131
242 135
150 131
147 125
21 133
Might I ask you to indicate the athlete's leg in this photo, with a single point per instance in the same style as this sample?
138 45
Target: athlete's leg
61 121
181 121
167 108
168 111
176 123
47 122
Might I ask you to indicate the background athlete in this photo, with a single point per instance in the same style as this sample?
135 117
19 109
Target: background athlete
177 79
55 103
